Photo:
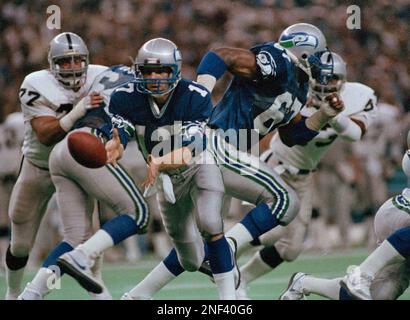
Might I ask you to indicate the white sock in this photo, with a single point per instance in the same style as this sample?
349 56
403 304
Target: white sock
14 279
97 244
226 285
41 280
152 283
254 268
240 234
97 267
382 256
328 288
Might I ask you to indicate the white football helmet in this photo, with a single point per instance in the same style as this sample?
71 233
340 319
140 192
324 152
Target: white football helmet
331 77
158 55
68 47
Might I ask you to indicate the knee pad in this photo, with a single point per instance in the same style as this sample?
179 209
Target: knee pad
271 256
15 263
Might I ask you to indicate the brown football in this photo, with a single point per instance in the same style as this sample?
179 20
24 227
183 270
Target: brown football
87 149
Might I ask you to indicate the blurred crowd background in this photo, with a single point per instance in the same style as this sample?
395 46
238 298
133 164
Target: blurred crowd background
377 54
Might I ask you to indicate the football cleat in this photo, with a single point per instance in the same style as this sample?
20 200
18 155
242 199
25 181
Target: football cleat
127 296
357 283
294 291
76 264
105 295
30 293
237 273
11 296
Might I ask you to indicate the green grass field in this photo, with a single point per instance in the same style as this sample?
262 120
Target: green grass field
196 286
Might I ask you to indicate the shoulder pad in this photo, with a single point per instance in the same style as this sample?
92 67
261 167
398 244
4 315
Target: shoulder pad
357 97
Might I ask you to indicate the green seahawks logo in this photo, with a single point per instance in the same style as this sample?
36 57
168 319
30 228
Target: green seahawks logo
299 39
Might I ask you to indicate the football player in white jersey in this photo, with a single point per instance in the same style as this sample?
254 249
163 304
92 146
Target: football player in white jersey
385 273
295 165
11 139
51 100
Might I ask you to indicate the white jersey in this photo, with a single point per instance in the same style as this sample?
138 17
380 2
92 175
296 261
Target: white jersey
11 139
360 103
42 95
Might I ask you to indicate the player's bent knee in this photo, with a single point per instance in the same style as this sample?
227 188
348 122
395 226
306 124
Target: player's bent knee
20 249
212 232
290 254
189 264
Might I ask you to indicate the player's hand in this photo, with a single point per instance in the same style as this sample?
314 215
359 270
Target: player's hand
334 104
152 173
95 99
114 148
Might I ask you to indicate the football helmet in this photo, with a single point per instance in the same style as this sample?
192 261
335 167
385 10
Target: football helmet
158 55
330 77
67 47
304 44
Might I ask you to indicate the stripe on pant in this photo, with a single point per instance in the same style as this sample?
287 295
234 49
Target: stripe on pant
133 192
281 204
128 183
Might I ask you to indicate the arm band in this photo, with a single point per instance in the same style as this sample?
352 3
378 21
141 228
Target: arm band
317 120
346 128
212 64
297 134
79 111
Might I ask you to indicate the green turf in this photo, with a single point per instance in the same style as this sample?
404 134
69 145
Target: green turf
121 278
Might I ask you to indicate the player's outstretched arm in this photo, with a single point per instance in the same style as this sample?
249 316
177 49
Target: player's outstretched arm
328 109
214 63
173 160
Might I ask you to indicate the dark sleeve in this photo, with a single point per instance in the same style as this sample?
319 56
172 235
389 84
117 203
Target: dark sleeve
119 111
271 62
297 133
193 127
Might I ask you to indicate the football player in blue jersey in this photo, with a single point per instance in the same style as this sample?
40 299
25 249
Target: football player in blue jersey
268 90
169 114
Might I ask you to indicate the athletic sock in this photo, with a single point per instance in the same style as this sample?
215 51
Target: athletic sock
328 288
152 283
221 262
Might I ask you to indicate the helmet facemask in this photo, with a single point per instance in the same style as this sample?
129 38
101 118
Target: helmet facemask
161 85
71 77
158 56
327 76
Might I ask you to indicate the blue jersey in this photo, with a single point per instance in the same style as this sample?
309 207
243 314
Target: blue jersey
105 83
267 102
184 116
